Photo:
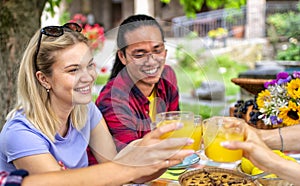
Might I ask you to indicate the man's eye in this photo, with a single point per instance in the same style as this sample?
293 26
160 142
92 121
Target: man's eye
158 51
139 55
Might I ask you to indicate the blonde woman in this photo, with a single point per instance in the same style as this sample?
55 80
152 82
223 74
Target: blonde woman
54 120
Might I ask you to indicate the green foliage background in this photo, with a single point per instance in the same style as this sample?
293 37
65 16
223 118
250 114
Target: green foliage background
192 6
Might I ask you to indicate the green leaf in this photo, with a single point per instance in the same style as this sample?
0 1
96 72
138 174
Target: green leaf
191 7
53 4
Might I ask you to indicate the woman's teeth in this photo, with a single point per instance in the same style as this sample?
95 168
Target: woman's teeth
83 90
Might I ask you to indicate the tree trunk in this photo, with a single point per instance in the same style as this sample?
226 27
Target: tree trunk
19 20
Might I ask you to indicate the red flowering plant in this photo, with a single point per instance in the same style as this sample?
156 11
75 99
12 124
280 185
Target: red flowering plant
94 32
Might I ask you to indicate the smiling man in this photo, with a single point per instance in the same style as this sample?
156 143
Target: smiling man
140 85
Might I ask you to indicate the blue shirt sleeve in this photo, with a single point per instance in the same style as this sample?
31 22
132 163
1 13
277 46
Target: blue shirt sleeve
95 115
21 140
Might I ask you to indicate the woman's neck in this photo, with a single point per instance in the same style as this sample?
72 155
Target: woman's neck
63 114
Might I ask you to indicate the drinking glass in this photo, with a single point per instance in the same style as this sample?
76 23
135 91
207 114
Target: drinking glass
217 130
184 117
197 133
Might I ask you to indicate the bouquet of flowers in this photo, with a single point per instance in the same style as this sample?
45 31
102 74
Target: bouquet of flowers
93 31
277 105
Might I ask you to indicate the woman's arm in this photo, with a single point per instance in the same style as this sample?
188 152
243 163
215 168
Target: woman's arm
101 143
102 174
143 158
37 163
290 139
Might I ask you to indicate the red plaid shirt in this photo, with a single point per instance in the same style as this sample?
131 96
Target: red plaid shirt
3 176
12 179
125 109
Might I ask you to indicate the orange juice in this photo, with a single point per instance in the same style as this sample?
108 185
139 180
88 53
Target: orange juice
188 130
220 129
197 136
216 152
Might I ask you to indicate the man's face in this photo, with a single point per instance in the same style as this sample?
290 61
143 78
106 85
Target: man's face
145 55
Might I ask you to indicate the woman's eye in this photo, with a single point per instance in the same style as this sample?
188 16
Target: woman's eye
74 70
92 65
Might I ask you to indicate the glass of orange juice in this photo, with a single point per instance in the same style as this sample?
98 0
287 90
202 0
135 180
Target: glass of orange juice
197 133
184 117
217 130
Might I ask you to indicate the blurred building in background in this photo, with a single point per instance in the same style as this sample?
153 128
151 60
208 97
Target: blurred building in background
109 14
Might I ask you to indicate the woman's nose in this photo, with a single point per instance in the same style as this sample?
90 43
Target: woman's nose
88 75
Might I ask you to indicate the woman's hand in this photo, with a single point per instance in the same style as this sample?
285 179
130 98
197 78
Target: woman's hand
151 154
264 158
254 149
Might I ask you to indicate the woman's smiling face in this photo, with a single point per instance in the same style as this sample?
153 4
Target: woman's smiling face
73 75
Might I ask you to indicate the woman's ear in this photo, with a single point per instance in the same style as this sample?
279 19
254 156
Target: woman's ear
42 78
122 57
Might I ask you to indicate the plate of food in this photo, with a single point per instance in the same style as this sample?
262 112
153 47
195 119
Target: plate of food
215 176
187 162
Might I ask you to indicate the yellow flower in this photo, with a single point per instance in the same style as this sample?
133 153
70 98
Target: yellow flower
293 88
290 114
219 32
263 96
279 103
212 33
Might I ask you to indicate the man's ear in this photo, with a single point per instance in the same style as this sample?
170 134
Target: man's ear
42 78
122 57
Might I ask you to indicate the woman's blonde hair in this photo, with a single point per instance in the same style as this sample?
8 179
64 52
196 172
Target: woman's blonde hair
32 97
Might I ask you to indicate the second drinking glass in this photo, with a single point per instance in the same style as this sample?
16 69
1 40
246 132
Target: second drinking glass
220 129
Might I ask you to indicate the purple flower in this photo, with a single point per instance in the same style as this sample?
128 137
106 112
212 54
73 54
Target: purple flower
273 82
282 75
296 74
275 120
281 81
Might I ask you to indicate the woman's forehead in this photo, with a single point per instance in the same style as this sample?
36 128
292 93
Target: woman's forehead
144 34
76 54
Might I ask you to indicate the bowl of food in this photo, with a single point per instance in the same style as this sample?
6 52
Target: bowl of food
215 176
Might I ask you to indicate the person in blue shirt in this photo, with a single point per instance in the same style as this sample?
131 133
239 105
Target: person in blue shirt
55 119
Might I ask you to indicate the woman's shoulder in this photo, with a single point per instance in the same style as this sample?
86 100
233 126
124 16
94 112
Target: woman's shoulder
20 124
92 107
19 119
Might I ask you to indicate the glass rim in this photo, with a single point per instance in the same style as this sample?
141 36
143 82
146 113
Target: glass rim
176 112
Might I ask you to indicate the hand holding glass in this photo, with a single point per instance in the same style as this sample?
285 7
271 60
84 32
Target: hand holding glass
189 129
220 129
